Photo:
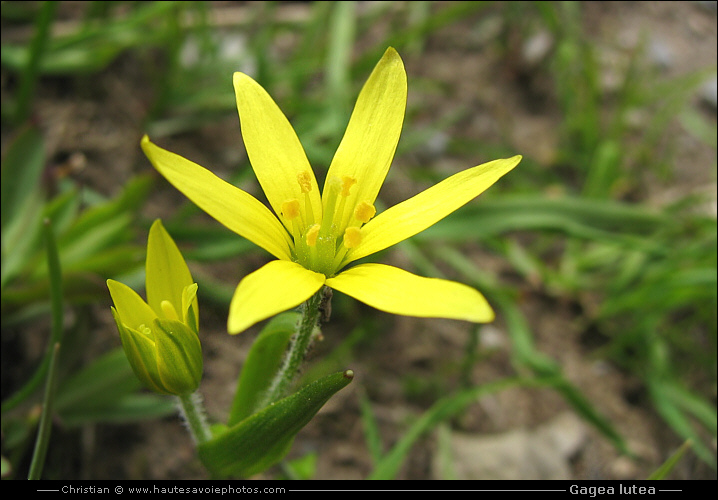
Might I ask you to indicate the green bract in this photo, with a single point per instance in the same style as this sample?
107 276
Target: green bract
160 336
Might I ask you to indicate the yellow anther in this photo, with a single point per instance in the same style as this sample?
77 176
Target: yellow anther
290 209
304 178
312 235
169 310
352 237
347 183
364 212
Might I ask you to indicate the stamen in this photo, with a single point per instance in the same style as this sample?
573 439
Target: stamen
340 220
304 178
364 212
347 183
312 235
290 208
169 310
352 237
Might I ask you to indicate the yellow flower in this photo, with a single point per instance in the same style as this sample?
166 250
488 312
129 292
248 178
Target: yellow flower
315 237
160 336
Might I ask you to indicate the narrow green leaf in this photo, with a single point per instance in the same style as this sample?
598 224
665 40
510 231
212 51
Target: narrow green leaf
126 409
444 452
603 170
37 48
261 365
21 172
21 201
371 429
106 379
668 465
389 465
664 399
264 438
527 355
701 409
303 468
52 356
56 296
104 391
42 442
600 220
95 45
133 194
342 28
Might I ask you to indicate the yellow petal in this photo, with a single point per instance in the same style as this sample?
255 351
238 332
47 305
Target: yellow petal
397 291
190 307
131 309
428 207
166 272
369 143
276 287
274 150
237 210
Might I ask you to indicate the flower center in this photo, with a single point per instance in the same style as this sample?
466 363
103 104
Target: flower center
322 245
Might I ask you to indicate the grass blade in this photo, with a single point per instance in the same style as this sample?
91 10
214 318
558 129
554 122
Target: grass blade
43 435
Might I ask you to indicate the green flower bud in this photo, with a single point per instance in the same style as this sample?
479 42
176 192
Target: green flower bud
160 336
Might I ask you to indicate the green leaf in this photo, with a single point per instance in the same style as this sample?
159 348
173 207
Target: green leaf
95 45
128 408
55 276
600 220
21 201
526 354
261 365
303 467
371 429
389 465
669 401
668 465
105 391
21 172
263 439
103 381
56 336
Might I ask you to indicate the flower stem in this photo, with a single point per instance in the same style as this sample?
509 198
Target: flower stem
193 412
297 350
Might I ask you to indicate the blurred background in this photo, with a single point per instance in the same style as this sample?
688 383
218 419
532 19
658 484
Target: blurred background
598 252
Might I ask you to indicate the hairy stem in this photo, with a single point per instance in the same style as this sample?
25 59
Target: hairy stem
193 412
297 350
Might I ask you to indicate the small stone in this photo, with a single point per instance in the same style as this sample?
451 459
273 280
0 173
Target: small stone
660 54
541 453
709 93
536 48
